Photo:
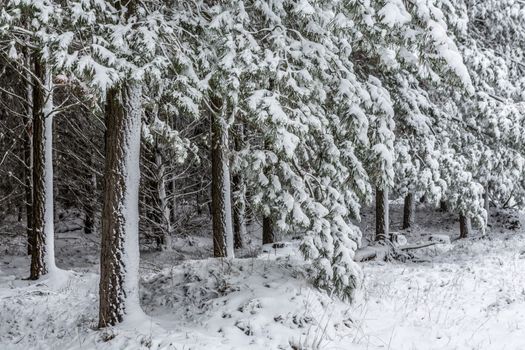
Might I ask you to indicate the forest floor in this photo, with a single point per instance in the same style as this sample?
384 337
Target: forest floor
468 294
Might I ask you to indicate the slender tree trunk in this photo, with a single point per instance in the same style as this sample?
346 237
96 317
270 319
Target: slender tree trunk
409 211
28 159
164 207
119 259
42 250
89 210
268 233
465 228
239 196
20 212
443 206
89 219
486 202
173 185
239 222
382 229
221 192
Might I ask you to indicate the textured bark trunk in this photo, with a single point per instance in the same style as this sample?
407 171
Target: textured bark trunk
119 257
382 229
409 211
42 249
221 195
465 227
268 233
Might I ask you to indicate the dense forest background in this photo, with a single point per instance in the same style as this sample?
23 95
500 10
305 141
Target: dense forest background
144 124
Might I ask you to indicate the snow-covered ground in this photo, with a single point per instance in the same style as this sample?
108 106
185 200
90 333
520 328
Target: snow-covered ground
469 294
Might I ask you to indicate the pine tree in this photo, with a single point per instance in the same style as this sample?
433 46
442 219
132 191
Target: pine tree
120 246
42 249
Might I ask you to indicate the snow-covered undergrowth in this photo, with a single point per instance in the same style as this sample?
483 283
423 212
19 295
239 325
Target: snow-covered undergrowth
465 295
258 303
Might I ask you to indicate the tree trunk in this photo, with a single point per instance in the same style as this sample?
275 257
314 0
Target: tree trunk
119 257
268 233
89 220
465 228
486 202
239 222
221 195
42 249
382 229
409 211
239 196
173 187
89 210
165 243
28 159
443 206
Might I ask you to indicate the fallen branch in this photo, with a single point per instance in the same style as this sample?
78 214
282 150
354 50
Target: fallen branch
417 246
387 251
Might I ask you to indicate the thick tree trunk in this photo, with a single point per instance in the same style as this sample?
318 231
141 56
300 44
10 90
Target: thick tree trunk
119 259
221 195
465 227
268 235
382 229
409 211
42 249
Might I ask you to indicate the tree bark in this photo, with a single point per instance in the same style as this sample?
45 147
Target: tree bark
486 202
42 248
28 169
382 227
28 152
465 228
119 257
165 242
239 198
89 210
268 233
409 211
239 208
89 219
221 195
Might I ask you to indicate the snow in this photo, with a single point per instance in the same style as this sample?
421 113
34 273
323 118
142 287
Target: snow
49 229
394 14
130 210
226 189
462 295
